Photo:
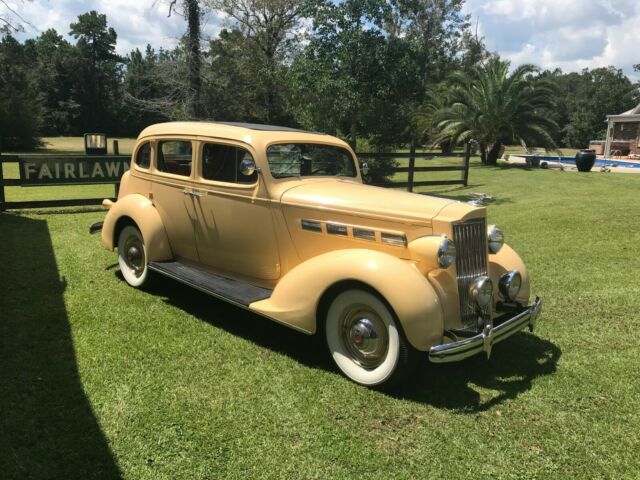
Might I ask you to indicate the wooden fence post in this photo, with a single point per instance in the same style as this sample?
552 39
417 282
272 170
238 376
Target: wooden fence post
116 147
467 155
412 165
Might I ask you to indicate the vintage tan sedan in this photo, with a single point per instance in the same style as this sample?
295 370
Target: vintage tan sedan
278 221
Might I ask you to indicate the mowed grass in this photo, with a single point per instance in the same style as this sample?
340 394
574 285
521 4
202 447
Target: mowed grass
100 380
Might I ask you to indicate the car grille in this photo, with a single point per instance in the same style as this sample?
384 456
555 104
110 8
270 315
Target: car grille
471 262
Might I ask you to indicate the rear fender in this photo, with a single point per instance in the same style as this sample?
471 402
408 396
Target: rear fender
139 210
297 296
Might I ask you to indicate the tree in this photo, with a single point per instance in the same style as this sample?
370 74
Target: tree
194 57
97 89
263 39
438 98
341 77
10 20
594 95
495 108
19 110
54 73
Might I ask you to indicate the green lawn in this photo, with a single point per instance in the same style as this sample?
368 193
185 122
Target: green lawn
98 379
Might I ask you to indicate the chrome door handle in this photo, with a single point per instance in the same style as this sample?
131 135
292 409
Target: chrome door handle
193 193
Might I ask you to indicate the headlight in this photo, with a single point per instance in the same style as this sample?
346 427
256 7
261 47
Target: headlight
446 253
510 284
433 251
481 291
495 238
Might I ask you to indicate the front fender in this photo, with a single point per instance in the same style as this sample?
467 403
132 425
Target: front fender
142 212
506 260
297 295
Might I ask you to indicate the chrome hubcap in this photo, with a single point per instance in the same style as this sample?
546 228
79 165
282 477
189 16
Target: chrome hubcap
134 255
365 337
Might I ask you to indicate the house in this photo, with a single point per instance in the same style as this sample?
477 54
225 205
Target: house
623 134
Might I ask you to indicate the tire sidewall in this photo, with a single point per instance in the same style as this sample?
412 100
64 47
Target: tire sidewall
128 274
368 377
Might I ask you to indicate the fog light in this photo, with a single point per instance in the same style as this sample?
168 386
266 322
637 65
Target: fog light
481 291
510 284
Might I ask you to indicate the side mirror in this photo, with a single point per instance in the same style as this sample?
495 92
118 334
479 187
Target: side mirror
364 168
247 167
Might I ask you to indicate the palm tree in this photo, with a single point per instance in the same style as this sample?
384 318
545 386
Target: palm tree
496 108
438 98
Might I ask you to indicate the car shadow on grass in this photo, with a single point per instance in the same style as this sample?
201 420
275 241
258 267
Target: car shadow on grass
47 425
477 384
306 349
512 369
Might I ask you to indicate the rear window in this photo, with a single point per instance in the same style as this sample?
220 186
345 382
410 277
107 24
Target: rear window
143 156
175 157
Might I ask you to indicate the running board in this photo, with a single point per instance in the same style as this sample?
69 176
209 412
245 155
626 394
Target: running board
233 291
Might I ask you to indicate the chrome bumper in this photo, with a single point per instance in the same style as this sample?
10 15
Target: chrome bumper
484 342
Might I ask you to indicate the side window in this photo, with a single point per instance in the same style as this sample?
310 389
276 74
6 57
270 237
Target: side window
143 156
175 157
222 164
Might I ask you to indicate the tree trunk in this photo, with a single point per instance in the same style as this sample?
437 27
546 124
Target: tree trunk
494 153
353 140
446 146
483 153
194 59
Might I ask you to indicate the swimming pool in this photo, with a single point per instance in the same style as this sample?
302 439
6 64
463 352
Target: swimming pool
572 161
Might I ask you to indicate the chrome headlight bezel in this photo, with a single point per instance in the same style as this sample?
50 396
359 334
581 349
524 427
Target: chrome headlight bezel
510 285
495 239
447 253
481 291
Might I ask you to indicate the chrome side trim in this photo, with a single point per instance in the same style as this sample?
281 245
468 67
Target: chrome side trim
484 342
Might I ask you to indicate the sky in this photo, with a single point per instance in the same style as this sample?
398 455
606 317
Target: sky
569 34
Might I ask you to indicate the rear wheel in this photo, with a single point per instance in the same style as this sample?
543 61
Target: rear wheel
365 340
132 256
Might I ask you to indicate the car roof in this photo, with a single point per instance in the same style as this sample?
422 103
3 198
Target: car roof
245 132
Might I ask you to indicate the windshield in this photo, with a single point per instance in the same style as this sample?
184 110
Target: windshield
309 159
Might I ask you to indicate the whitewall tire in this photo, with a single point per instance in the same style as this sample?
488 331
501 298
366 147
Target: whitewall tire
364 339
132 256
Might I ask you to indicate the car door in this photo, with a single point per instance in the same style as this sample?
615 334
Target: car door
234 229
172 193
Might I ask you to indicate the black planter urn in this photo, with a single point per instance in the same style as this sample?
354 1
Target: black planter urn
585 159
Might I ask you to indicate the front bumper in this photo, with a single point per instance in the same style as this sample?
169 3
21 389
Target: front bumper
484 342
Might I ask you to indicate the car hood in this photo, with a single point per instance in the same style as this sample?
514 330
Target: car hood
366 200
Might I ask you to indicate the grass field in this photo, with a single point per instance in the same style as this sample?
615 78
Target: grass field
99 380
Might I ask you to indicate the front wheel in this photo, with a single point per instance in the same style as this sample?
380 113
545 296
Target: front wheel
365 340
132 256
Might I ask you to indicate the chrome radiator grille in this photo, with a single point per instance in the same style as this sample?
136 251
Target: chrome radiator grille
471 262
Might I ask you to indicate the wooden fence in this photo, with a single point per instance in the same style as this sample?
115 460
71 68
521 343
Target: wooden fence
463 168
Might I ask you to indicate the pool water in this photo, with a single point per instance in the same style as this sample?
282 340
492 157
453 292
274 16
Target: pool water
572 161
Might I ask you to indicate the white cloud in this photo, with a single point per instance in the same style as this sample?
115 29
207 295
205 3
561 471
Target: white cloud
137 22
570 34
